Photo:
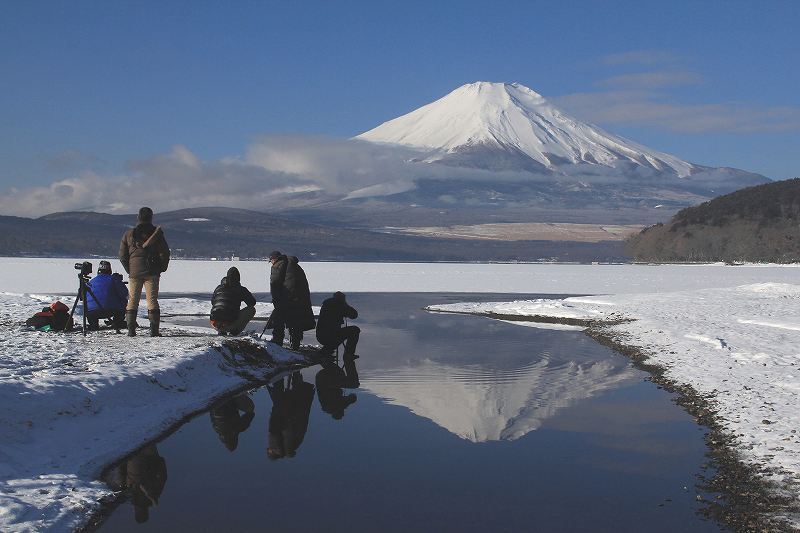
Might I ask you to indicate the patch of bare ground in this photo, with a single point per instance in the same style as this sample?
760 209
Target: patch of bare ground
528 231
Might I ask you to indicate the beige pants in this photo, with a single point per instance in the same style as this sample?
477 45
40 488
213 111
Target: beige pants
150 284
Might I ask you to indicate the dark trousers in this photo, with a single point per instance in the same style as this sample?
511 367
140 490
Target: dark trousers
347 335
237 326
93 318
279 332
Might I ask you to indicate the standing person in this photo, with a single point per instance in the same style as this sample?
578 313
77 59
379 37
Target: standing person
144 254
288 420
330 332
292 299
226 317
277 276
111 294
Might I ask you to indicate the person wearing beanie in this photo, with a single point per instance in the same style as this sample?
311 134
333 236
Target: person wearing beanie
106 298
330 332
291 297
226 317
144 255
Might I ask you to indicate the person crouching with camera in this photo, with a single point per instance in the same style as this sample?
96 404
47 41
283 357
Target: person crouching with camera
144 254
226 317
111 297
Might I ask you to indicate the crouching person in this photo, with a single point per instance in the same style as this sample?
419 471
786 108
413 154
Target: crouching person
106 298
226 317
144 254
330 332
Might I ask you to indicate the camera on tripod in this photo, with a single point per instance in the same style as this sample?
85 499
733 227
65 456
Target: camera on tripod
85 269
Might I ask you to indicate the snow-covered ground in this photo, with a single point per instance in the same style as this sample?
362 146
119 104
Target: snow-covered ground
74 404
738 346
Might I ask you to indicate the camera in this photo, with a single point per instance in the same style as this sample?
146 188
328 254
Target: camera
85 268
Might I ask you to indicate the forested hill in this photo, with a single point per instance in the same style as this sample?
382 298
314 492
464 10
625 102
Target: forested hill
760 223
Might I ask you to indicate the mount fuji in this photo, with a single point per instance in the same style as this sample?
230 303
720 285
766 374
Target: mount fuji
500 152
507 126
482 124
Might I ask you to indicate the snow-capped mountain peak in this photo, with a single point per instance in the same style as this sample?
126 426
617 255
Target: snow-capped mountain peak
509 117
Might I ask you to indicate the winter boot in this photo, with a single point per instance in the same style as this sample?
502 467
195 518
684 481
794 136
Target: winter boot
130 318
278 335
295 338
155 319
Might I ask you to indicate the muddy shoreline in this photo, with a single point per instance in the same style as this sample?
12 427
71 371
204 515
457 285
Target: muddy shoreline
748 502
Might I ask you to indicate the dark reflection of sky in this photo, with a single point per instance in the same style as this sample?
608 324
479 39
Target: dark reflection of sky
614 460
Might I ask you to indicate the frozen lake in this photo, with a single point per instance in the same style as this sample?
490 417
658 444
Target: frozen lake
37 275
452 423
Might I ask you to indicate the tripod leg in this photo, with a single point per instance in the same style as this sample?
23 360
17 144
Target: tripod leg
75 303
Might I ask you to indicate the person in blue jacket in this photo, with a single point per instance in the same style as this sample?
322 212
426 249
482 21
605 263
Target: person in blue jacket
112 295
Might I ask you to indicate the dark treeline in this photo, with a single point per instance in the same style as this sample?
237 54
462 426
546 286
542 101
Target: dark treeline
760 224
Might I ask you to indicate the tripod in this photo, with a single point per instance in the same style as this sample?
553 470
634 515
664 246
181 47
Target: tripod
83 288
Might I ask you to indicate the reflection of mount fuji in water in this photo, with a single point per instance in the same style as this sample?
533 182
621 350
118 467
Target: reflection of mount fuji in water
482 404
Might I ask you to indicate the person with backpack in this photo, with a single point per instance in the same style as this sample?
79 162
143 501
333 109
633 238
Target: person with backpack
144 255
291 297
111 297
226 317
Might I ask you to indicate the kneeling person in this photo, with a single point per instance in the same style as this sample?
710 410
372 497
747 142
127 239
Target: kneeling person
330 332
226 317
111 297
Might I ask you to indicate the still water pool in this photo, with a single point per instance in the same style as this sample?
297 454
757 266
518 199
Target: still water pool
445 423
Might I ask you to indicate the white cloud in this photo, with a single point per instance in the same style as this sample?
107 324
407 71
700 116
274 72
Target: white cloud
641 98
652 80
272 173
640 57
654 110
169 181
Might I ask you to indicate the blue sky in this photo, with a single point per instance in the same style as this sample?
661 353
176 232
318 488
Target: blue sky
96 85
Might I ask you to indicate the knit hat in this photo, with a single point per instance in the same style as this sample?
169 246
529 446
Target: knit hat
145 215
233 275
104 268
274 255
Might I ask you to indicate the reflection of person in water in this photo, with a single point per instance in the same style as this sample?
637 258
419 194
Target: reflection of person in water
288 421
231 418
144 475
331 379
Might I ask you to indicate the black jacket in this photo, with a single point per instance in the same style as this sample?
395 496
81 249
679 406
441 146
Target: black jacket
331 318
290 293
227 298
277 275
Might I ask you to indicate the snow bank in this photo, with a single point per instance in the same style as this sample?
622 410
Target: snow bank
739 346
72 404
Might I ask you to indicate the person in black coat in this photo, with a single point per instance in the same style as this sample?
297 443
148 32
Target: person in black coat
330 381
288 420
228 421
330 332
291 297
226 317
